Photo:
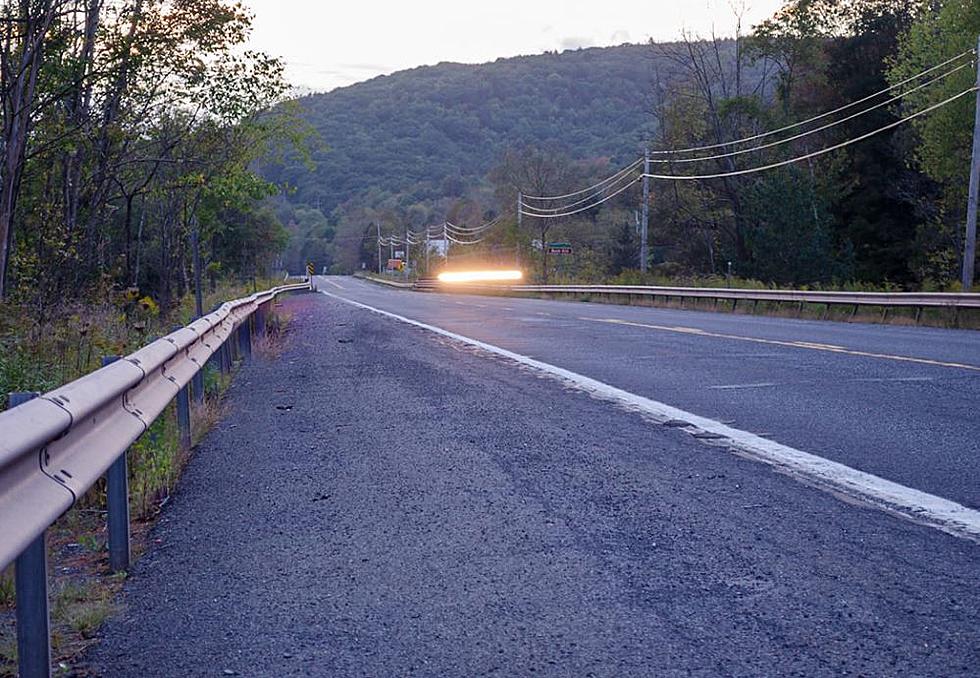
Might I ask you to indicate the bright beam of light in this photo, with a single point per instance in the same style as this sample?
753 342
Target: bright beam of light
479 276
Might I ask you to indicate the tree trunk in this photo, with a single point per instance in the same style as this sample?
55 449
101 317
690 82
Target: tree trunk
18 83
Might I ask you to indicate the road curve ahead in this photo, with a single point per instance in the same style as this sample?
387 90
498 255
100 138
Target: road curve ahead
383 500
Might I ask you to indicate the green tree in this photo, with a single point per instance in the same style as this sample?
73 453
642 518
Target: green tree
942 30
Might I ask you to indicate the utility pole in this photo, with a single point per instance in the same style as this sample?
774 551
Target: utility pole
970 249
645 226
520 214
427 248
520 222
408 252
379 248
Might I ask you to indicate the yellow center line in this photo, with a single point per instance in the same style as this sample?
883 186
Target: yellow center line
829 348
337 285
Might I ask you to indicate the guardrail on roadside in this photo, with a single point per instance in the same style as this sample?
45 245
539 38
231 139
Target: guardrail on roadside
917 300
385 281
55 446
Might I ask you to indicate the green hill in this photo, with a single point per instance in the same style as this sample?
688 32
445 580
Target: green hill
417 139
430 131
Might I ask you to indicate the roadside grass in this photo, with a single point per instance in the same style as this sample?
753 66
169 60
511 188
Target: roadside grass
928 317
945 318
270 344
82 589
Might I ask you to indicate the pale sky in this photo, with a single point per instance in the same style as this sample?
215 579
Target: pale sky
331 43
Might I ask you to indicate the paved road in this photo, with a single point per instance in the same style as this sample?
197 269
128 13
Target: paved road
381 502
807 384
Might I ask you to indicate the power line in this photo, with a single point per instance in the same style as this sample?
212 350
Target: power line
564 208
610 179
815 154
581 209
464 242
816 117
801 135
474 230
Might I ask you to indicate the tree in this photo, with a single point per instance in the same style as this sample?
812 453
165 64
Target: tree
623 254
942 29
533 171
128 127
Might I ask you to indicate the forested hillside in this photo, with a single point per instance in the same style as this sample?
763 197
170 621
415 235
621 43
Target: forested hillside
430 132
407 147
458 142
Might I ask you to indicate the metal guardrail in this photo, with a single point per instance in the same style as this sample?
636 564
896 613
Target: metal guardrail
917 300
55 446
385 281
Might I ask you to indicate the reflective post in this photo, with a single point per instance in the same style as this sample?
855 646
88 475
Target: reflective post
117 504
31 586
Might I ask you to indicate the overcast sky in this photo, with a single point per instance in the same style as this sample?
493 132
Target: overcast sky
332 43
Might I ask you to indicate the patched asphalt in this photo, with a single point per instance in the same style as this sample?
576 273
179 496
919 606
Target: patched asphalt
379 501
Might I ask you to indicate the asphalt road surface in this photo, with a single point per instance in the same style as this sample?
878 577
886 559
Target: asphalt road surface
911 421
384 501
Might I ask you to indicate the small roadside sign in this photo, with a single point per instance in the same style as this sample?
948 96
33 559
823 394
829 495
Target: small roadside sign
309 270
560 248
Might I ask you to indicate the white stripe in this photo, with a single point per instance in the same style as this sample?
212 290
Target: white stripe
727 387
905 502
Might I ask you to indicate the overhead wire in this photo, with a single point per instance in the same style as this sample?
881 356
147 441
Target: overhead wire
603 186
801 135
821 116
814 154
581 209
607 180
466 229
564 208
464 242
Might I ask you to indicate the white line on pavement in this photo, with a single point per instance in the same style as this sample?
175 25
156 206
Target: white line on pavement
905 502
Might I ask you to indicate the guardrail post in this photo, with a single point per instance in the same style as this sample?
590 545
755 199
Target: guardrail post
117 504
197 386
260 320
224 357
183 404
184 417
31 586
233 343
245 340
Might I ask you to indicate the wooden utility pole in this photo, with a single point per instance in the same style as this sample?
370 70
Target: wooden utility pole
645 225
380 271
445 239
520 223
970 247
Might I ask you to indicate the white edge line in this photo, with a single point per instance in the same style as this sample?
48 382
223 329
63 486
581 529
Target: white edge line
905 502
